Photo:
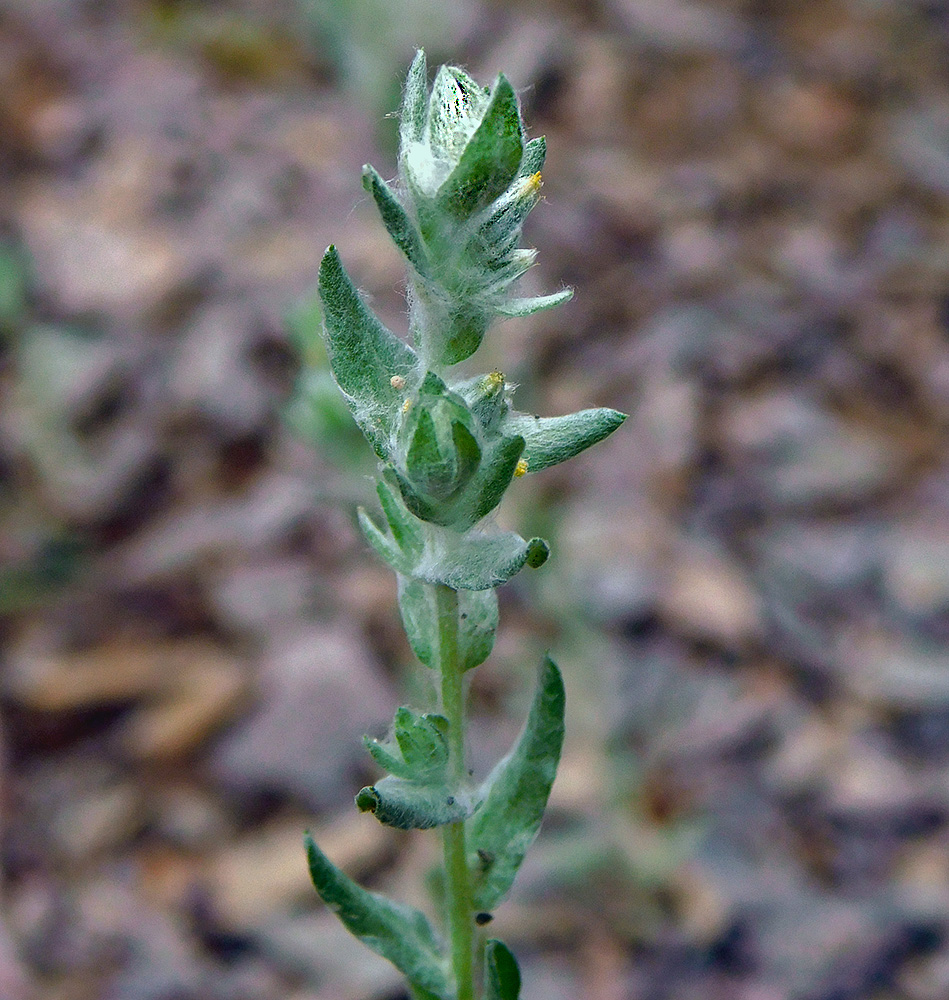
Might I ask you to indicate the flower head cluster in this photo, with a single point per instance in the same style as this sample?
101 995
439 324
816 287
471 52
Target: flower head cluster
450 449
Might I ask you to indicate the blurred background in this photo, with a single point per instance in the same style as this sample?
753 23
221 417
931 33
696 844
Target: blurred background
749 592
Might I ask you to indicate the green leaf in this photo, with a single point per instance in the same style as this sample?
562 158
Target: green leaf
397 932
502 977
538 551
477 622
475 560
416 993
507 268
386 547
465 327
489 483
406 530
396 220
456 106
14 288
413 805
551 440
514 796
420 748
535 152
537 303
363 354
422 740
414 112
383 754
419 618
456 495
477 626
490 159
485 397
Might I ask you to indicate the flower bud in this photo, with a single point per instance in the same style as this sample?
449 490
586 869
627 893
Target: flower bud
438 450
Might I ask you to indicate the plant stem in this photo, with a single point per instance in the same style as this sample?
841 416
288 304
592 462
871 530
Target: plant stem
457 878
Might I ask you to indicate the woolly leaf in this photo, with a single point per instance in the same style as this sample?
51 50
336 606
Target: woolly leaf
396 220
363 354
538 551
551 440
422 740
413 805
385 756
475 560
414 112
477 622
406 531
537 303
465 327
493 477
514 796
490 159
502 977
418 750
397 932
386 547
455 109
485 398
535 152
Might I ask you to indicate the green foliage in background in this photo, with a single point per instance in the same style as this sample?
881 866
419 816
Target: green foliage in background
43 360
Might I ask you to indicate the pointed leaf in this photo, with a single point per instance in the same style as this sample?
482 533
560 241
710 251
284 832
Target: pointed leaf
485 398
498 236
507 268
419 618
396 220
386 758
535 152
537 303
515 794
406 530
551 440
494 476
414 112
397 932
423 744
491 158
456 107
502 977
477 622
413 805
385 546
465 327
478 625
364 355
538 551
424 460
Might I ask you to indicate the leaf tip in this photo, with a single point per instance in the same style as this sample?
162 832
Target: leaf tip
367 799
538 551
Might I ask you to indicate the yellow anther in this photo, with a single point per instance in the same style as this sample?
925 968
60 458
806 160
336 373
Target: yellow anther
532 185
493 381
397 382
406 406
521 468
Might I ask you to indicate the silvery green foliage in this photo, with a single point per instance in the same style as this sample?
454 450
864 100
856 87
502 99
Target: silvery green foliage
448 450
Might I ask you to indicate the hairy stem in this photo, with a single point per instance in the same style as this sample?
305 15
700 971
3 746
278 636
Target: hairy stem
457 879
